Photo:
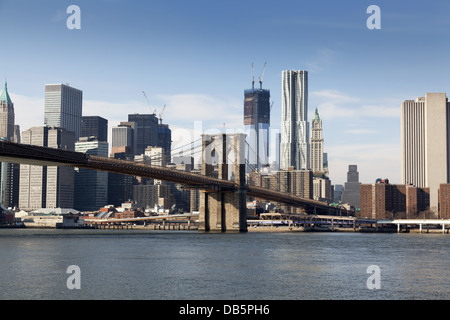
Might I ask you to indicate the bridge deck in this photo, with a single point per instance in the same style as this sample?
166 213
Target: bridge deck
37 155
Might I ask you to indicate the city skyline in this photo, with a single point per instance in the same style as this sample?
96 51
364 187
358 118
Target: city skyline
196 59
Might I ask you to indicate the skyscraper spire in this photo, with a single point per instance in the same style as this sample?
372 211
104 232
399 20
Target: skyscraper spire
5 96
316 115
317 161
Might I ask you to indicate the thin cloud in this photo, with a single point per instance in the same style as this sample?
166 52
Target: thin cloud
335 95
335 104
321 60
380 111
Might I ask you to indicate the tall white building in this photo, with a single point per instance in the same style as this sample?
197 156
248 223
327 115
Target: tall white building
317 163
425 142
47 186
294 146
63 108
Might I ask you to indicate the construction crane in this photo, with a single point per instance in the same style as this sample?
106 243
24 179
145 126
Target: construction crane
253 78
262 76
154 112
161 114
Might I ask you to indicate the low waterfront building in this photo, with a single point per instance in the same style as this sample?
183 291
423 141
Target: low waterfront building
129 214
53 218
6 216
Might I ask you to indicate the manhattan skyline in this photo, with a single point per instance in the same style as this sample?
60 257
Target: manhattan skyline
196 58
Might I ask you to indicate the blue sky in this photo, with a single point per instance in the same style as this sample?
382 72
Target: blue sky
195 57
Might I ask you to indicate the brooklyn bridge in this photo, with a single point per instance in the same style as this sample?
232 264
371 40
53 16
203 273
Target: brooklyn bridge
222 200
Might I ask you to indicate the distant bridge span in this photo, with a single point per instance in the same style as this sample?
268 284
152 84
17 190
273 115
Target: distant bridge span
36 155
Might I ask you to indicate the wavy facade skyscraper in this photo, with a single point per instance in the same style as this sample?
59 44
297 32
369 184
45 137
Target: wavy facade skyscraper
294 146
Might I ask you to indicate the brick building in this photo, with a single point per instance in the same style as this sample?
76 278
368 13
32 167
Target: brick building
444 201
383 200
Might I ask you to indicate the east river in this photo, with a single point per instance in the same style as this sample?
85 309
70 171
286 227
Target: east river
139 264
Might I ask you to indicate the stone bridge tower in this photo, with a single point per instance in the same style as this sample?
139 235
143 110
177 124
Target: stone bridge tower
224 210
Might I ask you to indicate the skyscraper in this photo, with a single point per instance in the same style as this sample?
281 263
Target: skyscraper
425 143
63 108
9 183
165 140
123 137
94 126
6 115
256 125
294 147
146 131
317 163
120 186
47 186
352 188
91 186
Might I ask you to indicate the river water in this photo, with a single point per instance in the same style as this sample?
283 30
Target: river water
137 265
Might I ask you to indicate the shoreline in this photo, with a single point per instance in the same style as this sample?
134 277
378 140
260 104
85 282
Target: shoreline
250 229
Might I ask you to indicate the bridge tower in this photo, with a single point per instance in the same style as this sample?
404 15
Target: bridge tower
224 210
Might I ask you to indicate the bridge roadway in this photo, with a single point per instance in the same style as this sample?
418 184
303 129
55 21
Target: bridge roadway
36 155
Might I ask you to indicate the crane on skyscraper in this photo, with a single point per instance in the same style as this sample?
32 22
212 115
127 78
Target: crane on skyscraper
154 112
262 76
161 114
253 78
